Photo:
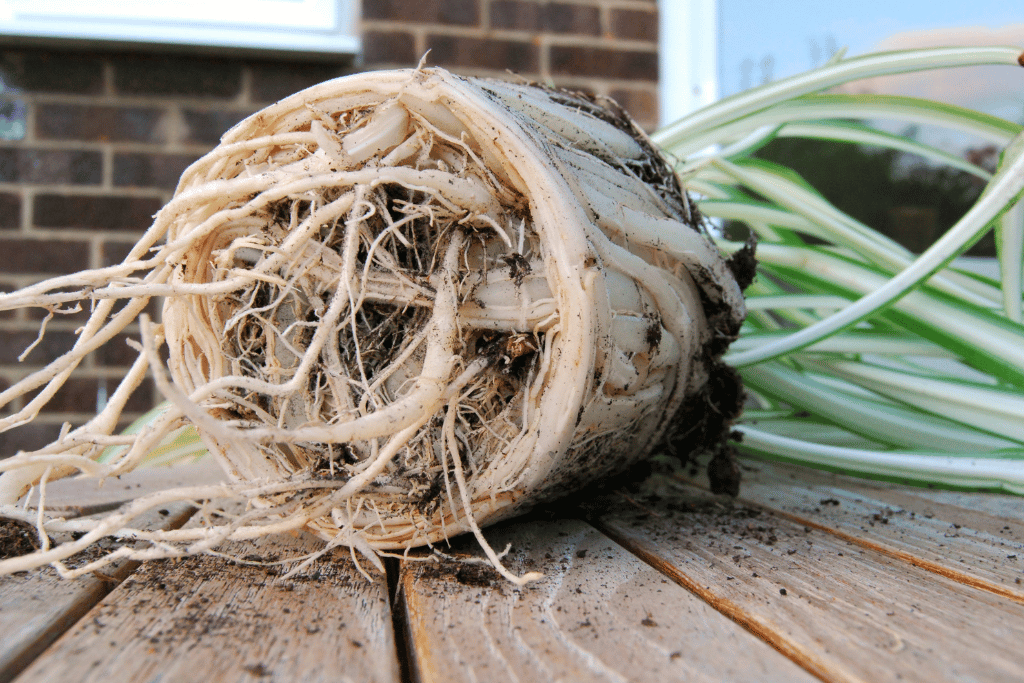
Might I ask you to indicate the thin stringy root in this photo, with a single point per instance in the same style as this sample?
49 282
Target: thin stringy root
398 306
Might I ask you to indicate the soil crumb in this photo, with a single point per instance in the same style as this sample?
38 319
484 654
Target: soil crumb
17 538
724 472
743 263
473 574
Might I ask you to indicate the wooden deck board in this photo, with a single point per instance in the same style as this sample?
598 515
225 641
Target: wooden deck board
38 606
83 495
943 531
235 622
598 615
883 582
846 613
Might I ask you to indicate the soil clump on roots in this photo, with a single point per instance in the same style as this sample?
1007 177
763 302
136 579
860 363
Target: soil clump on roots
402 305
16 538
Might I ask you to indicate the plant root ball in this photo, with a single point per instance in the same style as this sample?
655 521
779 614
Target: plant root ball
399 306
453 297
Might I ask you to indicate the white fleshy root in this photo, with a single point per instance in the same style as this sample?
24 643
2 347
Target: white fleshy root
398 306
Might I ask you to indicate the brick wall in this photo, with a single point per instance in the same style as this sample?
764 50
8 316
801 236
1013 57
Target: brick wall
92 143
607 47
91 146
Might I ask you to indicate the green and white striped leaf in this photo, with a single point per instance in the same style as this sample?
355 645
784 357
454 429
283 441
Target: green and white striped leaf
840 107
863 357
997 470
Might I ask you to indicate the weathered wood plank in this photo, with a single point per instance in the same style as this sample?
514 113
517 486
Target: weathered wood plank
844 612
995 505
235 622
83 495
38 606
598 615
954 534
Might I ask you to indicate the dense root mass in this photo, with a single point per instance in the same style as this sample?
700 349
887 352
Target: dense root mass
402 305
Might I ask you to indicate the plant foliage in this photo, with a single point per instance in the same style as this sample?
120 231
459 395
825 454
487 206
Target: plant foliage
858 354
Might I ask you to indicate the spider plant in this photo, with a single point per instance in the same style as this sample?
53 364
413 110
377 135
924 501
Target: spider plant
858 355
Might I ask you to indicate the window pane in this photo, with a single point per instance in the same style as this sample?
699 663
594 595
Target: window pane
304 25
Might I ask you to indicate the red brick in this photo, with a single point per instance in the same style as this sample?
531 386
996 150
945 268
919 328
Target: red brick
42 256
26 165
481 53
633 24
28 437
551 17
94 212
113 252
116 352
52 71
562 18
10 211
145 398
452 12
389 47
272 81
150 170
642 105
515 15
205 126
184 76
79 395
54 344
99 123
602 62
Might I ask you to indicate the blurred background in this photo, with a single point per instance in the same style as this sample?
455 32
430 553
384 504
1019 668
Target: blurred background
898 194
104 102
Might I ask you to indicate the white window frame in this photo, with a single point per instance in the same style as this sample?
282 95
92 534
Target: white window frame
687 56
290 25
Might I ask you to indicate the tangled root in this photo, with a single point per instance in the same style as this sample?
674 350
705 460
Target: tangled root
399 306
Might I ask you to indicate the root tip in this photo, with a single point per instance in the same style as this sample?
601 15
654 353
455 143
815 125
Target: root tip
529 577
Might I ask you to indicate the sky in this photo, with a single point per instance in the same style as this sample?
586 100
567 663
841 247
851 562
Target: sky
794 34
772 39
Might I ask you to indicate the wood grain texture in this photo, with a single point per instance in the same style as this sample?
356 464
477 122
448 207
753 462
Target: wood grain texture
38 606
881 583
993 505
598 615
976 539
85 495
844 612
236 622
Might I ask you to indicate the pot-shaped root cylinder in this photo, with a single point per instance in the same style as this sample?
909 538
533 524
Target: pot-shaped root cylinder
422 303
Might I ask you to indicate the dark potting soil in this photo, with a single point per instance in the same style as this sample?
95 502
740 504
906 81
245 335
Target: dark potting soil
16 538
